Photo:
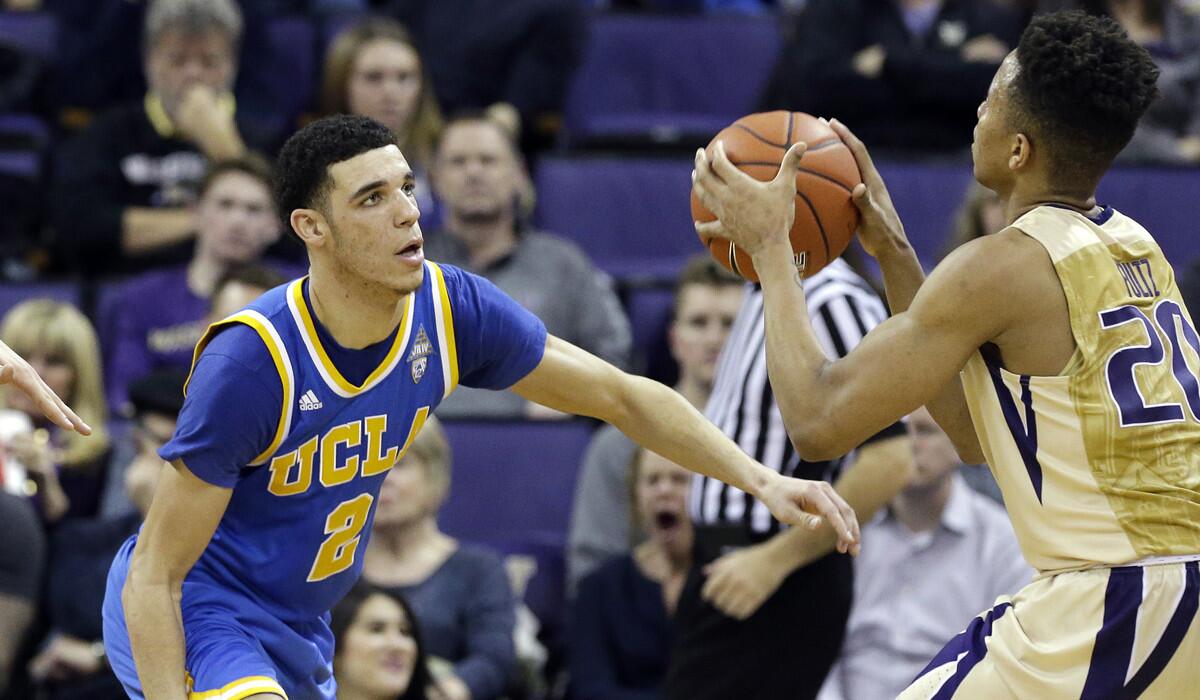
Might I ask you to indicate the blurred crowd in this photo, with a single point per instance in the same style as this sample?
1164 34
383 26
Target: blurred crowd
136 147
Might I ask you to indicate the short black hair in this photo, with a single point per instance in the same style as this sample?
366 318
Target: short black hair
254 275
302 173
249 163
1083 84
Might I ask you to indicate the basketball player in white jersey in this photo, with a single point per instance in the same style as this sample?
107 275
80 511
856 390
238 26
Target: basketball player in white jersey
1058 350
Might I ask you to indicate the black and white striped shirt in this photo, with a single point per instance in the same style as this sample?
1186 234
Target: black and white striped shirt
843 307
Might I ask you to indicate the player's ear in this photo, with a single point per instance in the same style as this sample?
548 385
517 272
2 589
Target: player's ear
1020 152
310 226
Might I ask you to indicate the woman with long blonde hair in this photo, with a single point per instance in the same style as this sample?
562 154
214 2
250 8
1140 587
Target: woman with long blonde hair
64 467
373 70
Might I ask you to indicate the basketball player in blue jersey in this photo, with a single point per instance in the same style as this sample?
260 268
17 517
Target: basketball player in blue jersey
299 404
1058 351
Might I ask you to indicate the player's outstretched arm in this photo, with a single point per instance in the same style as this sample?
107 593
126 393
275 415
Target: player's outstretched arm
182 518
16 371
654 416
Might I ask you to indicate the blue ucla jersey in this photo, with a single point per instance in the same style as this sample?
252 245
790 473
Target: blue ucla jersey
294 534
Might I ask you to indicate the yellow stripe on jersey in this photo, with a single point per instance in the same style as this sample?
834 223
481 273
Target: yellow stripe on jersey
445 330
308 331
283 366
241 688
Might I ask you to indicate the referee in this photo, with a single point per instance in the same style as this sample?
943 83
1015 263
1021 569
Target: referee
763 611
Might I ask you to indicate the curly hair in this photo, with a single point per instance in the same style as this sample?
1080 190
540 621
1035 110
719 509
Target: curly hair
302 176
1083 84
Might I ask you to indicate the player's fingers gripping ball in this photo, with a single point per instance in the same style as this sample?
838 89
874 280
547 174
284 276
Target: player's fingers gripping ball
826 218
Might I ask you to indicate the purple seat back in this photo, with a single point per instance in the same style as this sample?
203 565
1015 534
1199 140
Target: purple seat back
35 32
13 294
669 75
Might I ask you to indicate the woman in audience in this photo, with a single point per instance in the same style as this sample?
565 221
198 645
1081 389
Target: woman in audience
460 592
64 469
980 214
378 653
620 633
373 69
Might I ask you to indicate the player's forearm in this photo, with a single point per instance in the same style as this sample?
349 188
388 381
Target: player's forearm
659 419
879 472
145 230
902 277
152 617
795 359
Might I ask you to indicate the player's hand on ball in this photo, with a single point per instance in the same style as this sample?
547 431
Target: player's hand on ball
808 503
16 371
740 582
880 227
750 213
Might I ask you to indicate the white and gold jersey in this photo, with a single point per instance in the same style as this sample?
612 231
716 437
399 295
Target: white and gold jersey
1100 465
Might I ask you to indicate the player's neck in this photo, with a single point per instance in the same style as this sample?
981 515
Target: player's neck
920 509
486 239
355 314
1025 198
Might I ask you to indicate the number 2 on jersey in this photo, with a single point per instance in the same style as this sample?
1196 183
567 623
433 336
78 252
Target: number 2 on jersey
344 527
1121 365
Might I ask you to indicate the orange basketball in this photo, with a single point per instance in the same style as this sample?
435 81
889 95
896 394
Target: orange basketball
825 216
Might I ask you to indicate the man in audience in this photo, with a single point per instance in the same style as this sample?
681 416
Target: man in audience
938 555
123 184
907 74
22 556
478 175
158 317
72 664
707 299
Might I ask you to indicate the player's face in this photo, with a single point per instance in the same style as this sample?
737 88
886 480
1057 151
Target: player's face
182 59
702 321
385 83
377 653
409 493
373 220
993 141
235 219
661 492
141 476
477 172
933 453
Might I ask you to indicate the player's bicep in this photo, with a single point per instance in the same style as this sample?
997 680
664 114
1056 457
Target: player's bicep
906 361
182 519
572 380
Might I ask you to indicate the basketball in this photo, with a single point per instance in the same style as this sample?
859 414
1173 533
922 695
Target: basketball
825 217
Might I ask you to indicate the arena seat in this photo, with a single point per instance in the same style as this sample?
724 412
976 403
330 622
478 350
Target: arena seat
513 480
35 32
13 294
649 310
675 76
292 45
631 214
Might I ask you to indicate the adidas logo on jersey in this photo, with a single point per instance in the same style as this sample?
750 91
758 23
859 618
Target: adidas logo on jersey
309 401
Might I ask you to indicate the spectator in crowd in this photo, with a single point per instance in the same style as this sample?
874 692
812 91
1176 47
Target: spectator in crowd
239 286
620 631
707 299
373 70
908 74
378 650
459 592
22 558
516 56
980 214
71 665
479 176
65 468
158 316
1169 132
932 560
123 185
